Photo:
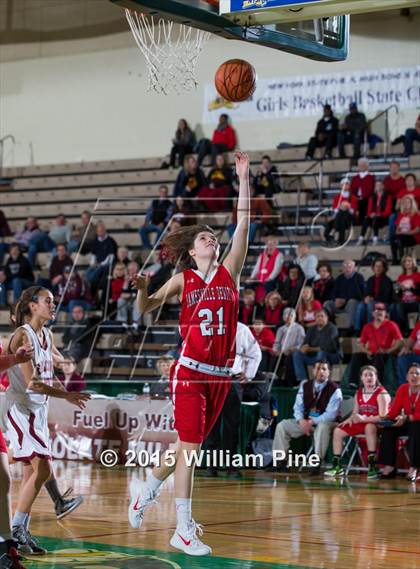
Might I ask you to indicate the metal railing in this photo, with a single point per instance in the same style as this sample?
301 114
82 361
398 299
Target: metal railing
387 133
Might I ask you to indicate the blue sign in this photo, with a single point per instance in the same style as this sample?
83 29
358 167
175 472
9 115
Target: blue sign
243 5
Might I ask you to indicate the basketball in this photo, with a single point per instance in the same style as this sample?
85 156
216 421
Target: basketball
235 80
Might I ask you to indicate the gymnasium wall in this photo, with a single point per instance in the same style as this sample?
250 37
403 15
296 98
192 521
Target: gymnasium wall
86 99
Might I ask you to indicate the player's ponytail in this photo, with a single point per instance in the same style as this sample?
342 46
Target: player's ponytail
178 244
23 310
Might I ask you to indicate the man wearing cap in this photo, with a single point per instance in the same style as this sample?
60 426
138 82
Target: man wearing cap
344 207
379 342
352 131
325 134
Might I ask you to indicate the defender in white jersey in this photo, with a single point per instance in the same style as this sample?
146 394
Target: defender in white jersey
27 399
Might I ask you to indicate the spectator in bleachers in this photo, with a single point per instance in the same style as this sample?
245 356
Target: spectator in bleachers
267 180
320 344
291 287
244 370
77 336
410 354
247 307
324 286
18 274
182 144
70 378
118 281
379 288
160 271
264 275
308 307
289 339
410 189
29 231
380 341
370 405
407 232
85 234
325 134
59 263
408 291
3 289
261 216
190 179
127 307
349 290
272 310
405 412
315 412
223 140
59 234
158 214
411 135
378 212
104 251
352 131
160 387
4 226
218 192
307 261
72 290
394 182
344 209
362 187
123 256
265 338
182 211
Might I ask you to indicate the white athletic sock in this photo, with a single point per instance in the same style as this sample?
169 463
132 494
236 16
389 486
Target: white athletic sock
183 511
27 522
154 483
19 519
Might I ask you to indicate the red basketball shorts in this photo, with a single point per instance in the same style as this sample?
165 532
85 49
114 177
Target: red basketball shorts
198 400
3 447
353 430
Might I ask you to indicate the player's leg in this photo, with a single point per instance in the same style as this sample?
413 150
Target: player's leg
63 503
371 433
41 472
340 433
8 553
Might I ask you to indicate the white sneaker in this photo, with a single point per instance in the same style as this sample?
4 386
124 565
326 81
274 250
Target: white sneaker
375 241
186 540
141 497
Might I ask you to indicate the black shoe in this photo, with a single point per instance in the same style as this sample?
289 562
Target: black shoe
20 536
234 473
390 475
212 472
65 507
281 467
36 548
315 471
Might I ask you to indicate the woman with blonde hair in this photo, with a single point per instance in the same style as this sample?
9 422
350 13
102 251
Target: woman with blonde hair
308 307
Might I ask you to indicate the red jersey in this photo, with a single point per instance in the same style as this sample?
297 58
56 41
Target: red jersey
415 336
409 284
381 337
209 316
371 406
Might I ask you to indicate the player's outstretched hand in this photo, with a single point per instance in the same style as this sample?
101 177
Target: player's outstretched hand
78 399
242 164
141 282
24 354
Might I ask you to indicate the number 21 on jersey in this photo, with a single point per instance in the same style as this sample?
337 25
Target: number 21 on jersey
206 326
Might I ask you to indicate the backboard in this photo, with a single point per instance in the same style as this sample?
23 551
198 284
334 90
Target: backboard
323 39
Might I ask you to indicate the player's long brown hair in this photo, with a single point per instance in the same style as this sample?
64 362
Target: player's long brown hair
179 243
22 309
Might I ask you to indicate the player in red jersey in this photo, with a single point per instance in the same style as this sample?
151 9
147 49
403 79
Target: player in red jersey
8 551
370 405
200 380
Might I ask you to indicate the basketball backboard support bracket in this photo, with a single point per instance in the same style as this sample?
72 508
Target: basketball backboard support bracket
322 39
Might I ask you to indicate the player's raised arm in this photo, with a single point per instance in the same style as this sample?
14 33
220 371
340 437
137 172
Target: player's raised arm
235 260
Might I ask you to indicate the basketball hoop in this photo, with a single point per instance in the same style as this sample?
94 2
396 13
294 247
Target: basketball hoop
171 52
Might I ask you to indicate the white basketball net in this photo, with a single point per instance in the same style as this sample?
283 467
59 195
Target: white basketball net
171 51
